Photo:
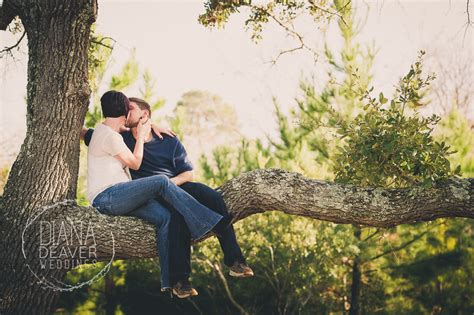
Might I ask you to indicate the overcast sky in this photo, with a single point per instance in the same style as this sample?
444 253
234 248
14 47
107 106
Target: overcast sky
183 55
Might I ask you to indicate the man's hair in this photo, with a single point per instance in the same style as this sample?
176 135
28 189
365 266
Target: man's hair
114 104
142 104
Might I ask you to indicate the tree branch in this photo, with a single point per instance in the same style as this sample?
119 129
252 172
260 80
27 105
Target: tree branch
218 271
469 22
371 235
291 32
278 190
398 248
100 41
7 50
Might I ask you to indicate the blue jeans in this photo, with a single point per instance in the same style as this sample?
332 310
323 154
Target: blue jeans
137 198
179 235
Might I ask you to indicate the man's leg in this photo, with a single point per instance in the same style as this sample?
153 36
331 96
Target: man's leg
214 201
180 263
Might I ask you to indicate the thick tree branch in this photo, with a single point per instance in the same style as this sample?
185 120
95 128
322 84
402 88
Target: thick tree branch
278 190
273 189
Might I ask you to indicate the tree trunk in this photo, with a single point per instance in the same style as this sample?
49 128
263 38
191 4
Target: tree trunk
46 168
356 278
110 294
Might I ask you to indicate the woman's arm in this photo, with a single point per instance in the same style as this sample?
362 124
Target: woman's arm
134 160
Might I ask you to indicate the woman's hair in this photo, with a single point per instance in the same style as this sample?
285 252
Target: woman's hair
114 104
142 104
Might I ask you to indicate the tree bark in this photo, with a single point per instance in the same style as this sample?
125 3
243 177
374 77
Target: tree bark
46 168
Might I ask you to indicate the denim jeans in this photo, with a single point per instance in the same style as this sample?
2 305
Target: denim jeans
124 197
179 235
137 198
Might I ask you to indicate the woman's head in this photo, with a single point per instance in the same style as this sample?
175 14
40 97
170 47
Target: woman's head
114 104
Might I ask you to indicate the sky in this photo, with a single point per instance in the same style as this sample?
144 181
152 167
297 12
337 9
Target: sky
183 55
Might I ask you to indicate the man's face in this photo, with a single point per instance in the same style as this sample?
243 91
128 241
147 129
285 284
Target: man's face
134 115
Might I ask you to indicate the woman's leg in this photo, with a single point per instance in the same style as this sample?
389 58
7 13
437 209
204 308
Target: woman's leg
125 197
158 215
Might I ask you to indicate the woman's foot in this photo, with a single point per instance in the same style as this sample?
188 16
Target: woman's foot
183 289
240 270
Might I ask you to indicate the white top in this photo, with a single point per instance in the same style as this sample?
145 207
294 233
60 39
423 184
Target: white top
103 169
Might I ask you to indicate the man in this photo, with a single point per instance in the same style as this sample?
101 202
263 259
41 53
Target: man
166 155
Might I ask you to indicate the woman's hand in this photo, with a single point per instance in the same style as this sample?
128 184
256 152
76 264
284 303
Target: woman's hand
143 128
160 130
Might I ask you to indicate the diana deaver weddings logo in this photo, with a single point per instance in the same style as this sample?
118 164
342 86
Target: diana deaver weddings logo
53 245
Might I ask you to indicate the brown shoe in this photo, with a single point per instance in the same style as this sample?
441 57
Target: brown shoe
183 289
240 270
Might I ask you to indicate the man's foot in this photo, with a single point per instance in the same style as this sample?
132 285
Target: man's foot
240 270
183 289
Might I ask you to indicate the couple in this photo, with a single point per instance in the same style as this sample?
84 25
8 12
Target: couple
161 192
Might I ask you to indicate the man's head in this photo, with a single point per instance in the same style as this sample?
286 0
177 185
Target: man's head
114 104
138 109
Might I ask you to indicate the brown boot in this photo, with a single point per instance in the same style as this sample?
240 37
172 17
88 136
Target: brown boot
183 289
240 270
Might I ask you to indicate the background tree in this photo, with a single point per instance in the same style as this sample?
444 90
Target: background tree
200 115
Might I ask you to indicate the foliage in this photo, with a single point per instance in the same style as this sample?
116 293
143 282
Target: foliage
4 171
455 129
385 147
298 263
282 12
229 162
203 121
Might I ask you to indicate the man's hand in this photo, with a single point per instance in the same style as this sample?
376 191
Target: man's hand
160 130
123 129
83 132
183 178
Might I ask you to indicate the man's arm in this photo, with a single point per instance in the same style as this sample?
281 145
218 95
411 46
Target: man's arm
183 177
86 135
83 132
183 166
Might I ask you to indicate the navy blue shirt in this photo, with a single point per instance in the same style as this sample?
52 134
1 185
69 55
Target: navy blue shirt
167 156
